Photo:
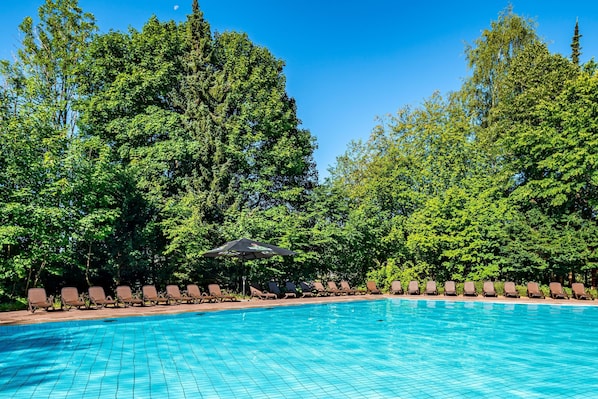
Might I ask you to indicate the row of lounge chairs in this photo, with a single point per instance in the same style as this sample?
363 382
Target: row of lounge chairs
275 292
306 290
97 298
488 290
332 289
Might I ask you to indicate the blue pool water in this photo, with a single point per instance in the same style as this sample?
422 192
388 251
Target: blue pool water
366 349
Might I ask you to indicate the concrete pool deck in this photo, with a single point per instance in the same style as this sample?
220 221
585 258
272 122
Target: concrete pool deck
43 316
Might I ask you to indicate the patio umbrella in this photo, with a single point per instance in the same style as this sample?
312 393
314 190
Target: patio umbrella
244 249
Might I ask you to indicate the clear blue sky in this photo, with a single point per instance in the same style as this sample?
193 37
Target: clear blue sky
348 61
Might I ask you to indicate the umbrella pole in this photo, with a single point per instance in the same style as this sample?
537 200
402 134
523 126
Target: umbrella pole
243 275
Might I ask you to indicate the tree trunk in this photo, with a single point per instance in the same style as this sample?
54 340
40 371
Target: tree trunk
88 264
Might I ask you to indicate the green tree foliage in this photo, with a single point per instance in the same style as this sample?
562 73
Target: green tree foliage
203 125
125 155
495 182
56 202
490 57
549 143
575 45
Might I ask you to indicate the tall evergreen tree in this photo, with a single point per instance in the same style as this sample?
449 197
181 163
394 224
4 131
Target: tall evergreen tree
575 45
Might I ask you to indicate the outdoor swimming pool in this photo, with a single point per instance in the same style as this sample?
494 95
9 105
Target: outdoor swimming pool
365 349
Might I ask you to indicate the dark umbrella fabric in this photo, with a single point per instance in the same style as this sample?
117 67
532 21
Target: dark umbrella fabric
245 248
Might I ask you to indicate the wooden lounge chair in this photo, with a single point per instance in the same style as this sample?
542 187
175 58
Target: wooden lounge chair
372 288
533 291
125 296
305 287
214 290
69 298
431 288
556 291
511 290
450 288
319 288
334 290
151 296
396 288
98 297
347 288
256 293
174 294
413 288
291 287
488 289
579 291
37 299
275 289
469 289
194 292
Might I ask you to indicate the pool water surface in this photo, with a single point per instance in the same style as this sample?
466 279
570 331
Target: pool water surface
364 349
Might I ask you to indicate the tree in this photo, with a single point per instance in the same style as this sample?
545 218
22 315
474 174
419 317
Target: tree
490 57
547 140
575 45
205 128
43 151
129 104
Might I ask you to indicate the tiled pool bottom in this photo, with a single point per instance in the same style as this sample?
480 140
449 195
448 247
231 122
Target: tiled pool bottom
379 349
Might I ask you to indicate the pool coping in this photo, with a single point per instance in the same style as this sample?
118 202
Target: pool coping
43 316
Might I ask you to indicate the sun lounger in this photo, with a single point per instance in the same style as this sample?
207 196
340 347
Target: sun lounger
334 290
372 288
37 299
556 291
174 294
291 287
396 288
256 293
125 296
275 289
214 290
320 290
305 287
533 291
511 290
98 297
579 291
431 288
69 298
488 289
150 295
469 289
347 288
450 288
413 288
194 292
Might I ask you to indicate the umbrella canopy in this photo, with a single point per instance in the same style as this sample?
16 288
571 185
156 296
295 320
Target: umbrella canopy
245 248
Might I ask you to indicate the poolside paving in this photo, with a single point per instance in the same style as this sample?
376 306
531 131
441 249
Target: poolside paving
42 316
